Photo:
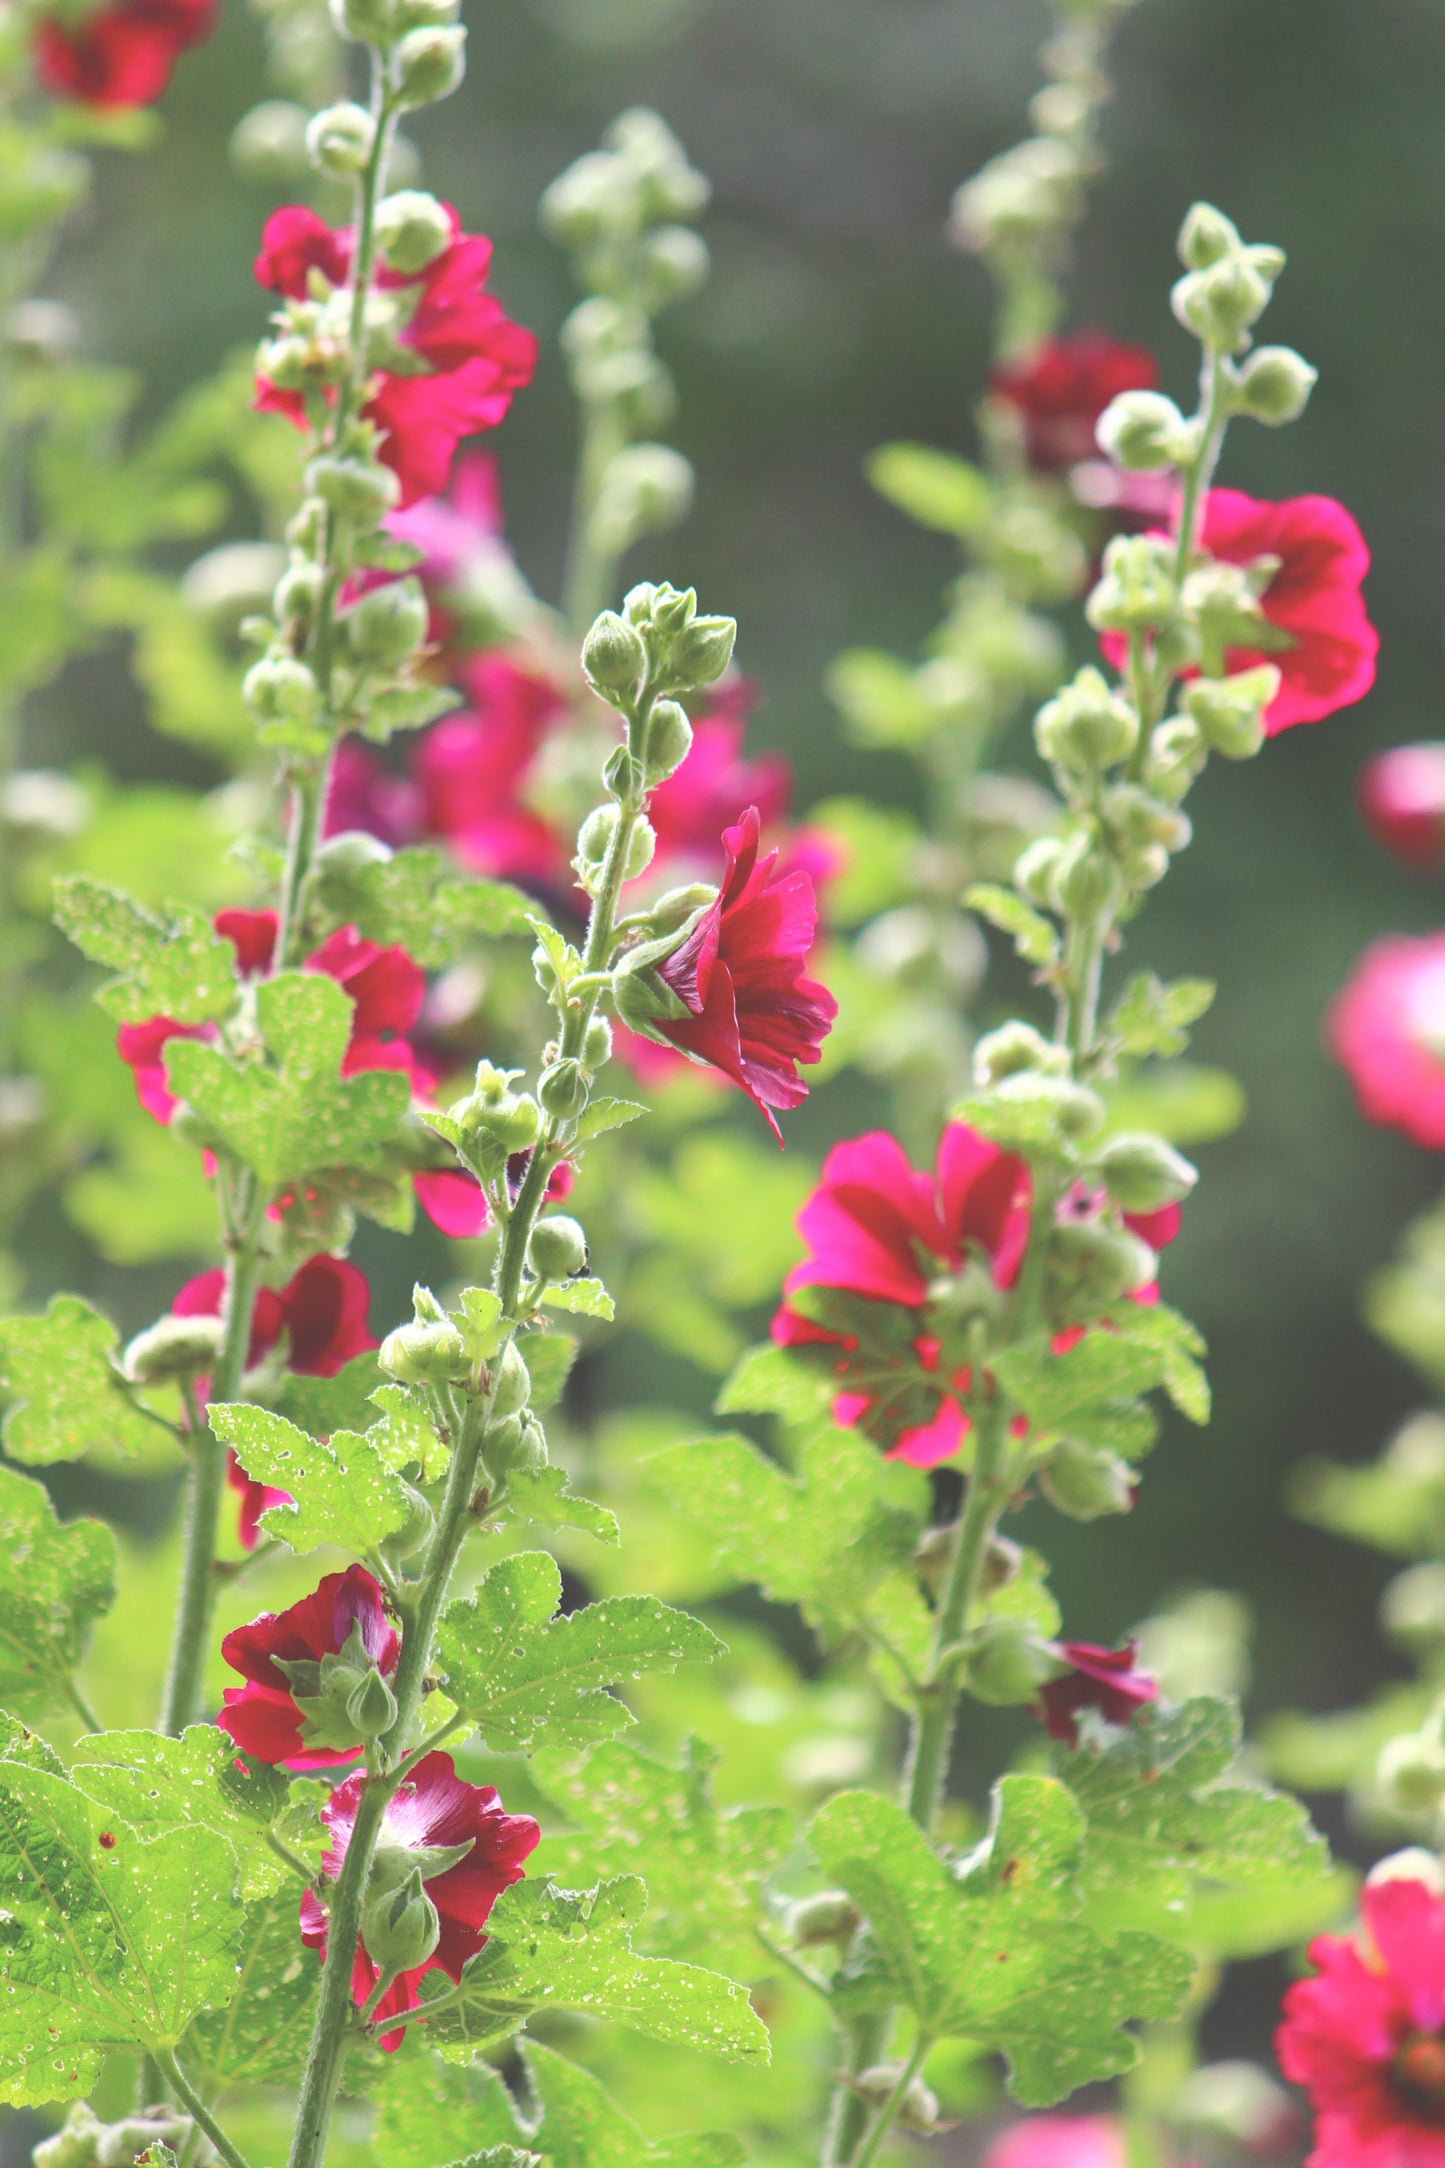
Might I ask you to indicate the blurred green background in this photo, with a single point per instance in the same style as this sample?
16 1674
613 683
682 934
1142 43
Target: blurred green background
835 132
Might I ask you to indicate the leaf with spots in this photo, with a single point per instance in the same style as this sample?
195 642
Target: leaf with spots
293 1114
582 2126
176 966
343 1490
259 2035
429 2110
56 1580
546 1497
556 1949
107 1942
992 1951
526 1678
413 899
65 1396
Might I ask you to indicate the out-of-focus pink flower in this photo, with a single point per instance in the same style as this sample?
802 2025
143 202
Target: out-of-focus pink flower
365 795
472 768
269 1717
1059 2141
456 1205
717 781
1387 1031
1101 1679
1060 389
455 529
121 55
1402 800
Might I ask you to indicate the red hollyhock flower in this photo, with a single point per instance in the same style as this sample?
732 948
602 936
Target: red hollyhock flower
1387 1031
434 1807
1062 387
476 356
1365 2036
473 768
121 55
344 1617
455 1203
1402 801
363 794
716 782
323 1313
739 973
1102 1679
877 1227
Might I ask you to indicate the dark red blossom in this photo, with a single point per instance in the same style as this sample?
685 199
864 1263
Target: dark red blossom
475 357
717 781
472 771
1060 389
1365 2034
434 1808
739 974
121 55
292 1708
363 794
1387 1031
1402 801
1101 1679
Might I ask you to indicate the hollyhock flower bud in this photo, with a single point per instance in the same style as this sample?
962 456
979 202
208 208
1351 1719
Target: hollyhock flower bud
369 22
336 883
1402 800
919 2109
614 656
1135 819
430 63
1219 304
400 1927
1231 712
673 263
174 1347
1273 386
1410 1774
1136 591
303 1668
1085 883
1178 751
1013 1048
412 229
831 1916
644 489
281 692
339 140
1092 1266
355 489
1034 870
416 1530
669 740
1086 726
1072 1109
388 624
1240 2103
1086 1481
1103 1680
1143 431
701 651
426 1352
371 1707
1205 237
515 1446
564 1089
85 2142
557 1249
1143 1174
597 1046
1006 1663
511 1382
298 594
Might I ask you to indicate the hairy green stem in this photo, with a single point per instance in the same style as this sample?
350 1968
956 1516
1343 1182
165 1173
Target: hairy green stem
199 2113
888 2114
590 568
1199 473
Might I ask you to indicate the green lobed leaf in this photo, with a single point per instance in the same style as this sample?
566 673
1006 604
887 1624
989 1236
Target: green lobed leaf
19 1743
414 899
549 1357
1179 1346
584 1298
1033 936
1185 1103
65 1396
526 1678
600 1115
1151 1017
110 1942
992 1951
301 1115
1086 1390
260 2037
341 1402
936 489
429 2111
174 966
546 1496
582 2126
343 1489
705 1866
769 1381
55 1582
556 1949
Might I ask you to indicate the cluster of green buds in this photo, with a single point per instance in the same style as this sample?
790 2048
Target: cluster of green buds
623 213
84 2141
469 1378
342 1698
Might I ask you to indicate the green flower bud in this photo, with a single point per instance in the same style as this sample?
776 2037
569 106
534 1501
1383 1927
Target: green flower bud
515 1446
355 489
279 690
1136 592
584 204
1230 712
669 740
701 651
369 22
1205 237
644 488
1005 1663
1013 1048
1220 304
624 776
512 1122
1136 818
298 593
430 63
1086 1481
597 1046
564 1089
1142 1173
673 265
1411 1774
1034 870
399 1926
511 1383
557 1249
416 1530
1143 431
338 867
1086 882
339 140
86 2142
613 656
422 14
412 230
306 528
387 624
371 1707
831 1916
426 1352
174 1347
1177 753
1144 866
1077 1112
1273 386
1091 1266
1086 726
919 2110
291 363
637 602
678 907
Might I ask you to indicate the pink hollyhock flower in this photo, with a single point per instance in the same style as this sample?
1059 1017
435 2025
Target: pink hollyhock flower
716 782
878 1228
364 795
433 1810
1387 1031
1402 801
292 1708
1059 2141
1102 1679
455 1203
1365 2035
475 356
454 530
473 766
1061 388
121 55
322 1311
1314 599
752 1013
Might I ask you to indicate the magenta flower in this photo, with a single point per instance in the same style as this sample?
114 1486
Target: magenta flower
474 357
717 782
473 767
434 1809
363 794
121 55
1059 2141
1387 1031
1060 389
301 1666
1100 1679
1402 801
1365 2035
